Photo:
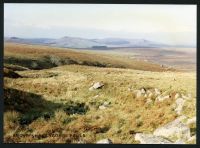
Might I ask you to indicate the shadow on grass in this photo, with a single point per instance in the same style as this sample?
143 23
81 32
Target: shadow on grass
33 106
50 61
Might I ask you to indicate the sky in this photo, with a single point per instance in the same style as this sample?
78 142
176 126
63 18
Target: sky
171 24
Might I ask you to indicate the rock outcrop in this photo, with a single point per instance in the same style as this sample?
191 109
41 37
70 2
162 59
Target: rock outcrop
174 130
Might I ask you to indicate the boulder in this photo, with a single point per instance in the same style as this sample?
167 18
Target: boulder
151 139
104 141
174 129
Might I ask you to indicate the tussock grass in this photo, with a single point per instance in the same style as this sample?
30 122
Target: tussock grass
125 116
51 103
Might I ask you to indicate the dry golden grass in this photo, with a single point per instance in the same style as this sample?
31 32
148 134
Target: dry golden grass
35 55
125 116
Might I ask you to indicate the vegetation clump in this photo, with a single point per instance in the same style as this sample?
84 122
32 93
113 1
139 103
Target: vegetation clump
75 108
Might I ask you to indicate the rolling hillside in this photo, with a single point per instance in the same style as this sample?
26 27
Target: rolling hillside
40 57
56 95
75 42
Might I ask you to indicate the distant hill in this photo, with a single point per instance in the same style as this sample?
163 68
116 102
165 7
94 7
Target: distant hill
74 42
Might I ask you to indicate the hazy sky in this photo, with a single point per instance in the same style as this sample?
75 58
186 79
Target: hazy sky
174 24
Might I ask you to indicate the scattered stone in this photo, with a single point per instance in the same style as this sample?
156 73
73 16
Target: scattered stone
96 96
179 105
185 97
97 85
143 91
150 95
106 103
157 91
145 95
149 101
151 139
162 98
104 141
138 93
102 107
177 96
174 129
81 142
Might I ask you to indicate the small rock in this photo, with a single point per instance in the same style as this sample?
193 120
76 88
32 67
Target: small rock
162 98
191 121
177 96
97 85
106 103
81 142
151 139
102 107
157 92
143 91
138 93
149 101
96 96
150 95
179 105
104 141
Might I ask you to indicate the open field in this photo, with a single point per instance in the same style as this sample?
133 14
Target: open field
52 96
178 58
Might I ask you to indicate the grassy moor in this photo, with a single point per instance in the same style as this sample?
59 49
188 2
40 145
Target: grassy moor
61 95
